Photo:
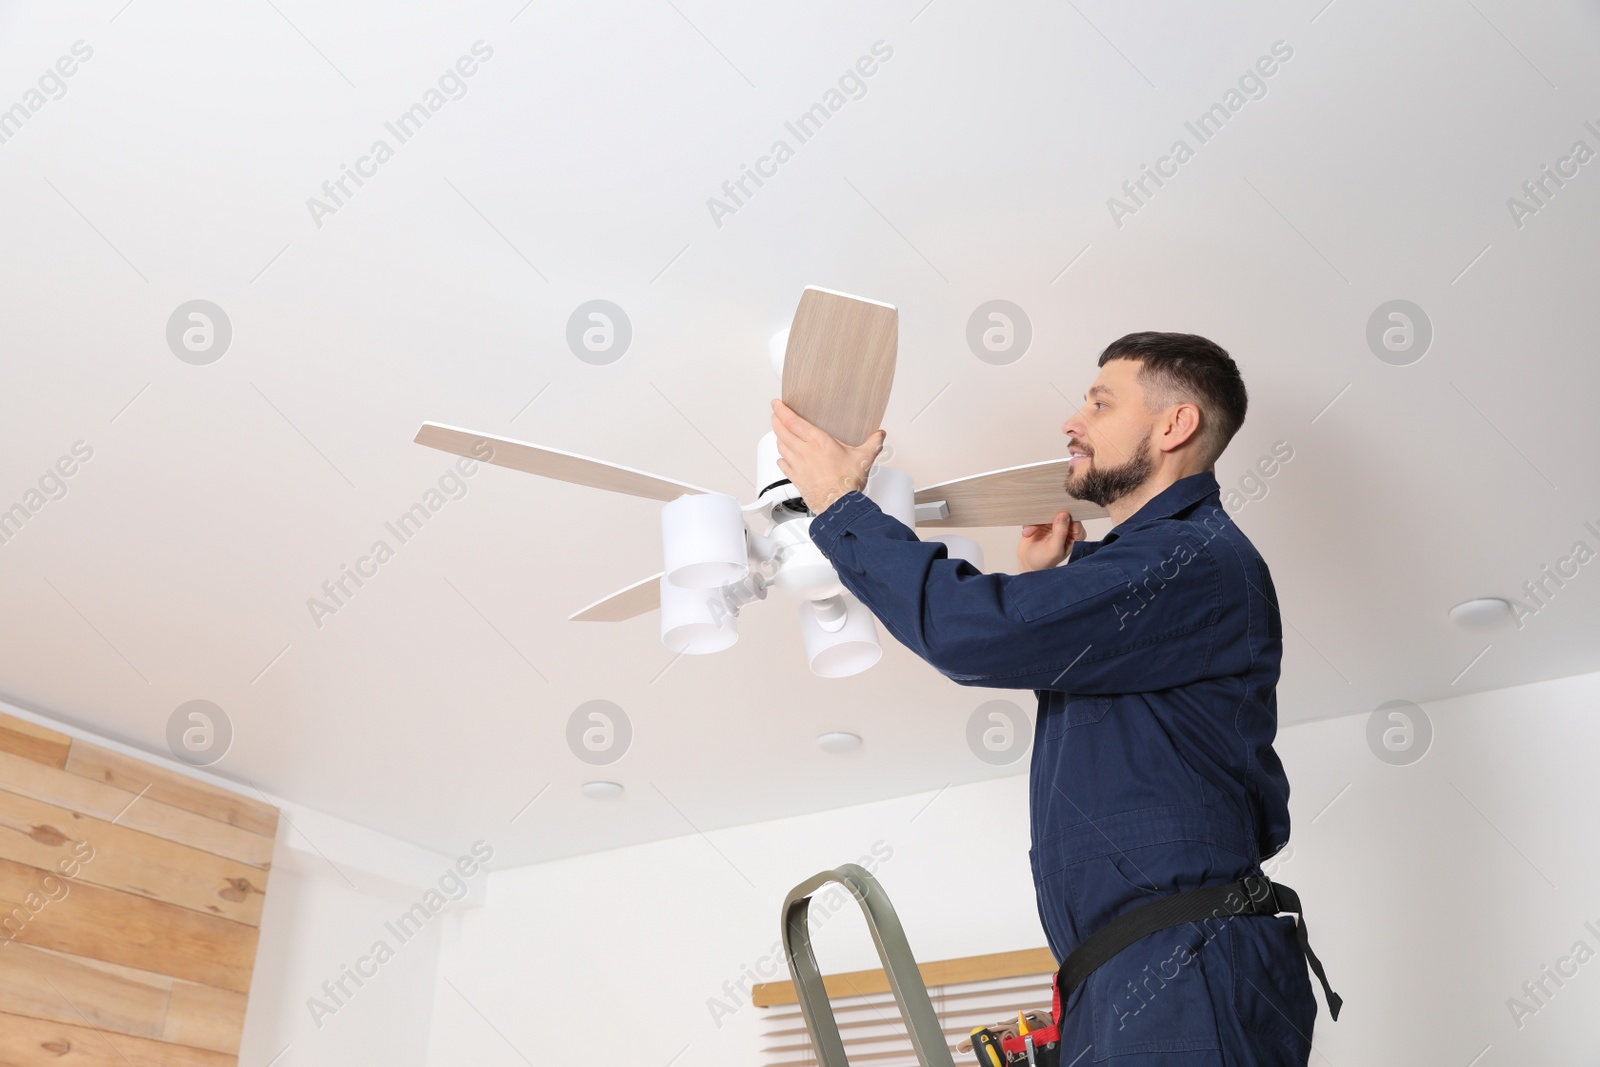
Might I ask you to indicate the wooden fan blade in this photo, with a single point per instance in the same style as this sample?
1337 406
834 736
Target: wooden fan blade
637 599
551 462
839 365
1016 496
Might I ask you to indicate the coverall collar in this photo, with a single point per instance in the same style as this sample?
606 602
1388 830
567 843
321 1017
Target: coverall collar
1180 495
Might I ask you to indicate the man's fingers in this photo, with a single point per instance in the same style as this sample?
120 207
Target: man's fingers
783 430
788 419
780 420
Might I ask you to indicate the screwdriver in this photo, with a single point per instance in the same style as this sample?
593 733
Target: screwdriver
983 1038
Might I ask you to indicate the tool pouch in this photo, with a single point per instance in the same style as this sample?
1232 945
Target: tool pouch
1003 1046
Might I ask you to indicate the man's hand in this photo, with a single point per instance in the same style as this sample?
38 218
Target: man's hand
821 466
1042 547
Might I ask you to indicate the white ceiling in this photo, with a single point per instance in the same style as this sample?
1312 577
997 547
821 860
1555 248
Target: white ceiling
577 166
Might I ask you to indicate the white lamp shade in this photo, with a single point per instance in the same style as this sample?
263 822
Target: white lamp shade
850 649
891 489
702 540
696 621
958 547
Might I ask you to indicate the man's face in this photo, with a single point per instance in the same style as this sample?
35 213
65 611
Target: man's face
1109 437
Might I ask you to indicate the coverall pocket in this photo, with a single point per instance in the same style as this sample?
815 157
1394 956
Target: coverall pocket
1049 592
1079 711
1271 982
1155 996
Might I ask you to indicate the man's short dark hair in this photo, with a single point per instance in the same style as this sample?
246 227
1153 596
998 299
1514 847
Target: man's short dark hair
1176 368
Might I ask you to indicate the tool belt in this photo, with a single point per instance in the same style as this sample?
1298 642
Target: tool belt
1006 1044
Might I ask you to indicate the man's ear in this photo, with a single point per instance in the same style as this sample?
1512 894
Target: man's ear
1182 423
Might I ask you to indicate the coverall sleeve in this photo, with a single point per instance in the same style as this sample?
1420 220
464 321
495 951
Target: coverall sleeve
1084 627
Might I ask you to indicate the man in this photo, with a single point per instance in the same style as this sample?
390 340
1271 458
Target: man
1154 654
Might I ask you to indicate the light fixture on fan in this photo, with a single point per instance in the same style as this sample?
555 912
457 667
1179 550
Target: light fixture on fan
841 636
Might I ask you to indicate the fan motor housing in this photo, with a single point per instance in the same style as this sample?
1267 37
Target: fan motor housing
776 489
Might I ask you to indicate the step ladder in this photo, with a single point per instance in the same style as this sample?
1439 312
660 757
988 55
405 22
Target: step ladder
905 980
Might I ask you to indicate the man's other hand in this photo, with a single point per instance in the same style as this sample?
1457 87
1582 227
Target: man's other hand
1042 547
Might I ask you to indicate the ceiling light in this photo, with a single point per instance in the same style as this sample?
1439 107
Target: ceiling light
601 790
696 621
839 742
702 537
1485 611
840 635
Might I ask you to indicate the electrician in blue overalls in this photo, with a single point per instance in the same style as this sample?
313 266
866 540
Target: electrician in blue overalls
1154 654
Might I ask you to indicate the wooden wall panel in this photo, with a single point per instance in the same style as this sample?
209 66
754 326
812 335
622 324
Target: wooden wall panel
33 742
49 985
28 1042
130 897
90 797
169 787
42 835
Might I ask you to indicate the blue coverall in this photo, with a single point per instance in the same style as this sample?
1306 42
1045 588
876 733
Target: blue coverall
1154 654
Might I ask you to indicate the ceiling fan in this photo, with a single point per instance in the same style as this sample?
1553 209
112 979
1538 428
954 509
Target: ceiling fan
837 369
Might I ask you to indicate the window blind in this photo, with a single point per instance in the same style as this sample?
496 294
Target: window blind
874 1033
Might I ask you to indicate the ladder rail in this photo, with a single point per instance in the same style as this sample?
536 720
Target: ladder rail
905 980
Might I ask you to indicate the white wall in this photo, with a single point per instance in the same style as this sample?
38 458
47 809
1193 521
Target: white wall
312 927
1434 891
333 916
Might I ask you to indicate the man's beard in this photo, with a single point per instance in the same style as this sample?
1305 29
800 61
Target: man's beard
1104 485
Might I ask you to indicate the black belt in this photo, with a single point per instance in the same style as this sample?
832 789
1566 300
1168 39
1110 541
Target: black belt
1249 896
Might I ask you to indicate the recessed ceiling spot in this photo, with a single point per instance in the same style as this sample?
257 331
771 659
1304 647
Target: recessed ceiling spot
839 742
1485 611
